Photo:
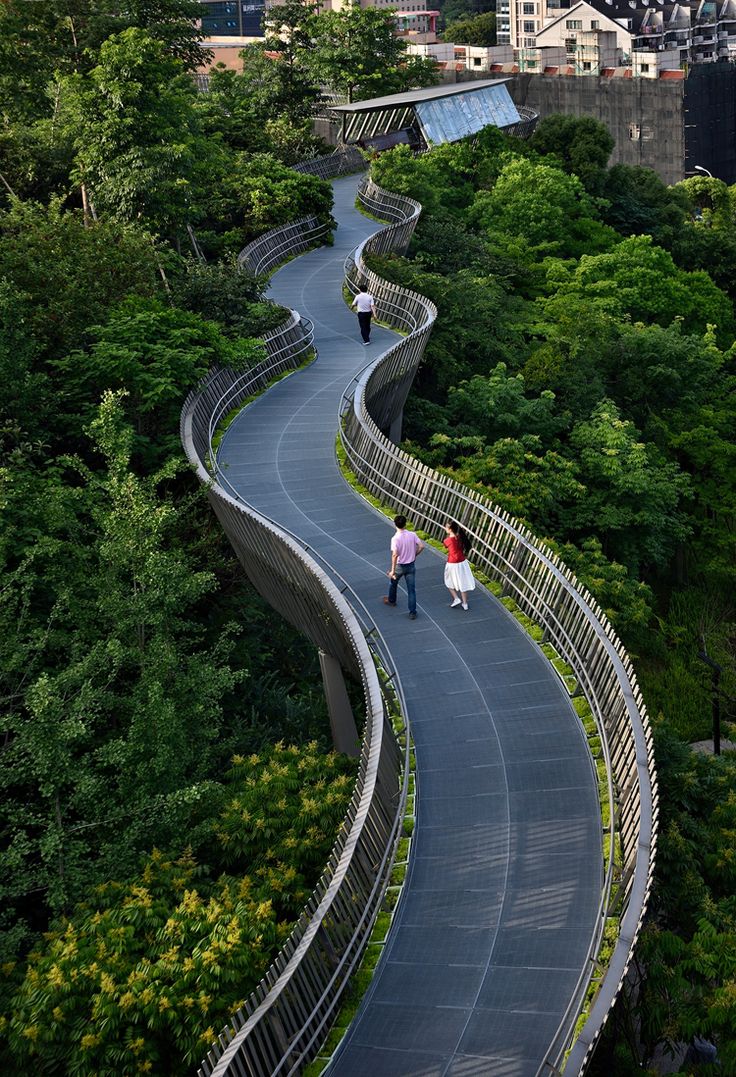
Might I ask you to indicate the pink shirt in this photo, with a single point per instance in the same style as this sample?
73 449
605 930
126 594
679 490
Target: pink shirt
405 544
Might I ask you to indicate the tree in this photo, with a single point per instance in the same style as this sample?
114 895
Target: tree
477 327
222 292
626 601
144 972
549 209
40 43
67 275
267 108
640 203
455 10
355 51
157 354
139 148
115 713
582 145
288 31
472 30
262 193
633 495
643 281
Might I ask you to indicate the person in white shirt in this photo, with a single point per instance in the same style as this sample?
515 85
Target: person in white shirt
365 305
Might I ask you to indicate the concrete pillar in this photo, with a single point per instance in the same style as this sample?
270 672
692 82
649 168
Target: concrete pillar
394 431
342 722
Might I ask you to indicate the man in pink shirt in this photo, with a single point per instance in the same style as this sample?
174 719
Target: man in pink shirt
405 548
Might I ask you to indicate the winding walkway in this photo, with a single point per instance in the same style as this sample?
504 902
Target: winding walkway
504 881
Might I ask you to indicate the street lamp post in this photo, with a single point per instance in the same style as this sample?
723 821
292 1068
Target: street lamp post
715 694
699 168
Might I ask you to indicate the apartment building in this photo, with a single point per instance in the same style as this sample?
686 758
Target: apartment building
691 31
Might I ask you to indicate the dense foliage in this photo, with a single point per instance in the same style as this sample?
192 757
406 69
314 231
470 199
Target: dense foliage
582 374
157 839
144 973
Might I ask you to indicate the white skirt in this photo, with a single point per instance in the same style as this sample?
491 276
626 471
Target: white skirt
458 577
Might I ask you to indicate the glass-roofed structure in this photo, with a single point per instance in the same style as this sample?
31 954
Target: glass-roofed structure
434 115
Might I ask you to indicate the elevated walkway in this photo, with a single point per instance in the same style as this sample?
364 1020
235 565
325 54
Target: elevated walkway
500 904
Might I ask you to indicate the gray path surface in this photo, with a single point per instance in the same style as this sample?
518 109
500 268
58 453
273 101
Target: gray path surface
505 876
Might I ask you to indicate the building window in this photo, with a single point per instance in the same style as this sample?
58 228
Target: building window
634 132
586 65
570 44
594 24
644 68
528 9
529 26
573 24
476 61
647 133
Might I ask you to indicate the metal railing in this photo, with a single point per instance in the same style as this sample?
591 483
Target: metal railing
274 247
282 1023
529 118
543 589
343 162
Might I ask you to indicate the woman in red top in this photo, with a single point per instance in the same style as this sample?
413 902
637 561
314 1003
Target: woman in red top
458 577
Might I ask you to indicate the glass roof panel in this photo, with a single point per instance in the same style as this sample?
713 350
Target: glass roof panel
451 118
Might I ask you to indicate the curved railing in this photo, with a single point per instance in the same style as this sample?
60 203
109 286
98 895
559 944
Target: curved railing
274 247
545 590
408 312
344 161
286 347
283 1022
529 118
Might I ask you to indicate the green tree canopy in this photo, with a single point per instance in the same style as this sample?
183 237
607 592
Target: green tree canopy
138 143
549 209
633 494
472 30
69 274
157 354
581 143
40 43
643 281
640 203
355 52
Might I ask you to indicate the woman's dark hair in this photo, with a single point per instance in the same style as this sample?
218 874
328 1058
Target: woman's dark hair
461 535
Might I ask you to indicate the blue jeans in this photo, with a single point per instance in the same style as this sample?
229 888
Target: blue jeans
409 574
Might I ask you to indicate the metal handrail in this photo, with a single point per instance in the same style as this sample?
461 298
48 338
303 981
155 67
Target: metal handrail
546 591
282 1023
287 356
274 247
543 587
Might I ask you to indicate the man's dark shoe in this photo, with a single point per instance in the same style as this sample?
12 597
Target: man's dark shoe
412 616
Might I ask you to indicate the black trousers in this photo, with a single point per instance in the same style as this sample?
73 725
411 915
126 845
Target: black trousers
364 317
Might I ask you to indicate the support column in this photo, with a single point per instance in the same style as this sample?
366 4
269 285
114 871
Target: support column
342 722
394 431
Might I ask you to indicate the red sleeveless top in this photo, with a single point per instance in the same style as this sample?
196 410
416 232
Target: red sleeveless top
454 550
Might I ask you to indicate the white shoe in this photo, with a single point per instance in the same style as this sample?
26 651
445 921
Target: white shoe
465 605
366 343
455 602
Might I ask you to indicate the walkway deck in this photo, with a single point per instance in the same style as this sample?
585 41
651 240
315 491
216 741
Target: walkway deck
505 877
